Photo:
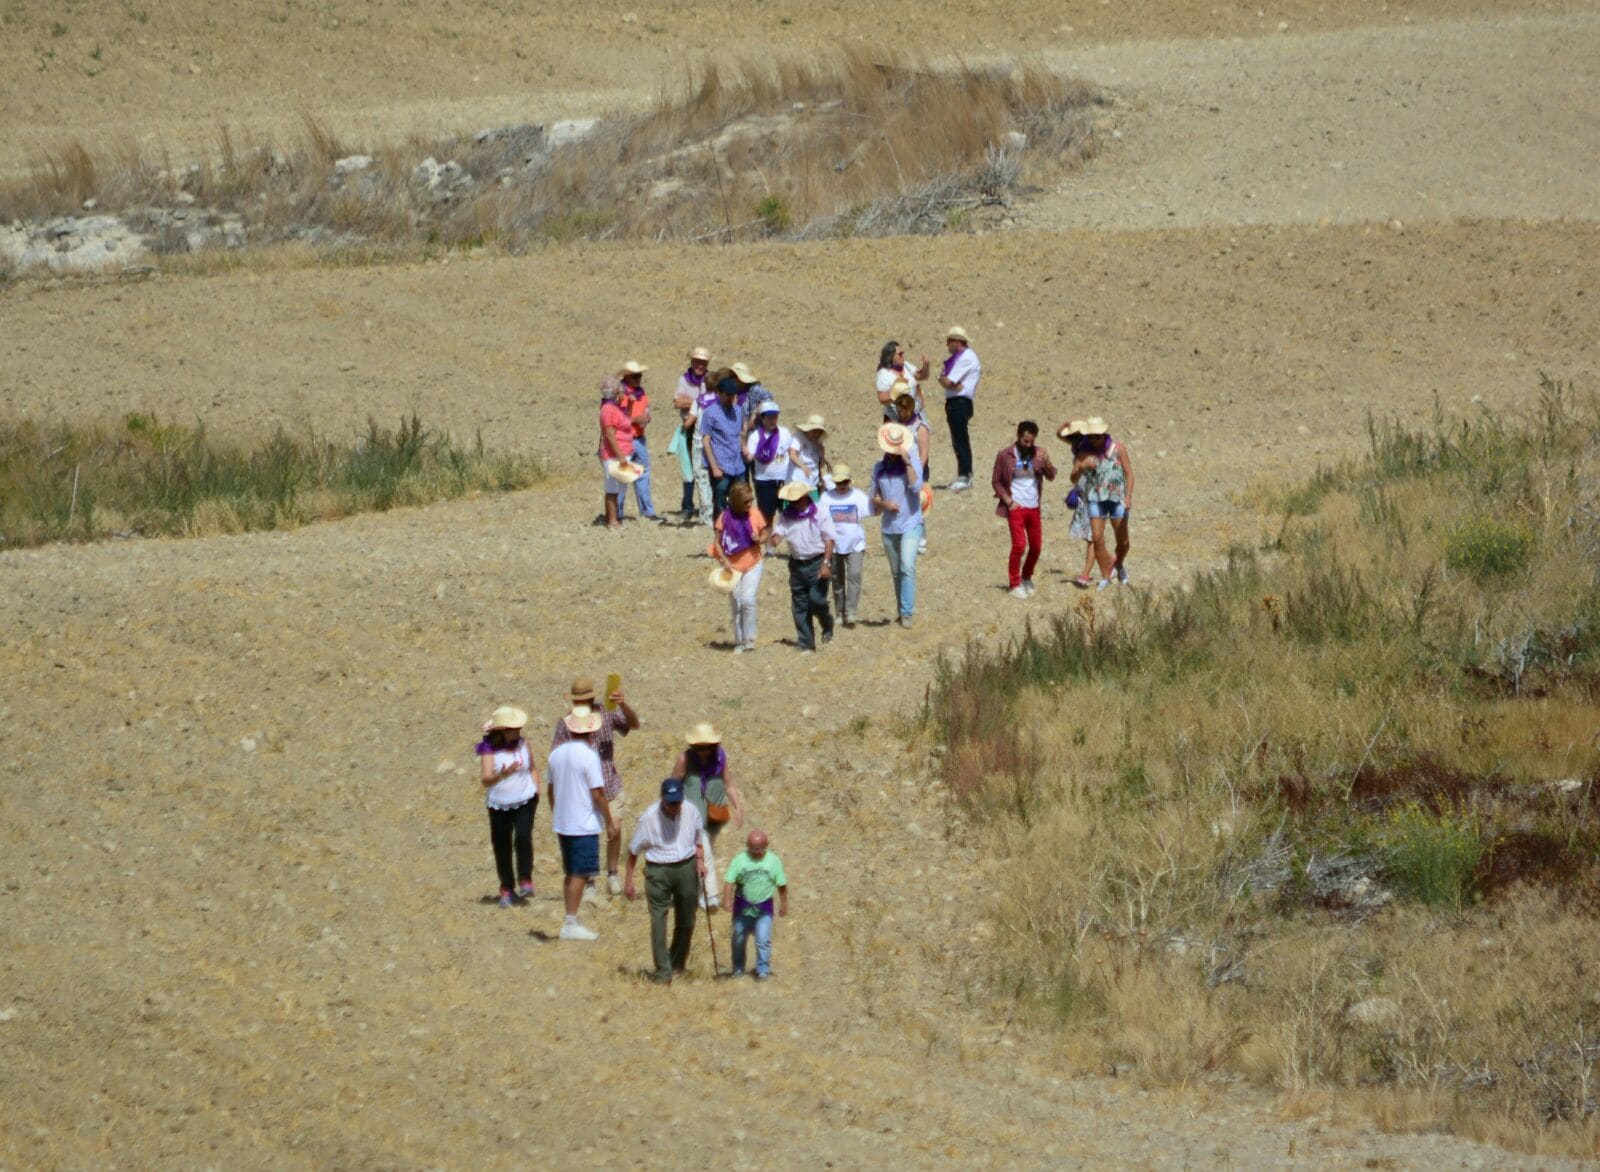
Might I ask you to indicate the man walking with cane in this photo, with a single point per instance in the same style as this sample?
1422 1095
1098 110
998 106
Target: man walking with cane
668 836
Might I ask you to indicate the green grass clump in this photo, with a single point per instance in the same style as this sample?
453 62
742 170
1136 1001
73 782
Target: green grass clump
1487 547
146 478
1431 857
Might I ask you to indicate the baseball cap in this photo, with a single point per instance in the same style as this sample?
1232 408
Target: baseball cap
672 790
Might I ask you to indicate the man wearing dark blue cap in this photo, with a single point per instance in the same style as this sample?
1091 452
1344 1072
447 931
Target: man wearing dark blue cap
668 836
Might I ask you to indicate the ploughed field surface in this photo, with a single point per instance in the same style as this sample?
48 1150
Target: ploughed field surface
243 857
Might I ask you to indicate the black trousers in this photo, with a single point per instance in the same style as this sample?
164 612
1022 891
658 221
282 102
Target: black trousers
513 830
808 596
767 498
958 414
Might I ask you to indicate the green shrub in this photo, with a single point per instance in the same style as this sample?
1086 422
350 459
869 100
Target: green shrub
1430 857
774 214
1486 547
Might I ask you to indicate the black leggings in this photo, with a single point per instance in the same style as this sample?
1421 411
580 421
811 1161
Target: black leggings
513 829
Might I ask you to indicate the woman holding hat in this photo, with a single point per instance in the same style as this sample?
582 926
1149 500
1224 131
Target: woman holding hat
740 532
767 449
616 447
511 792
691 396
810 455
1078 502
909 413
617 719
708 786
848 507
1106 478
897 498
636 403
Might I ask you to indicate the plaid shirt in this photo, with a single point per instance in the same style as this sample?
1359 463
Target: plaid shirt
612 726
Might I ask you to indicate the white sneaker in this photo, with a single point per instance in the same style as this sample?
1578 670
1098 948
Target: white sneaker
614 884
588 893
578 932
1027 584
1122 576
1018 592
740 648
960 484
922 546
1102 584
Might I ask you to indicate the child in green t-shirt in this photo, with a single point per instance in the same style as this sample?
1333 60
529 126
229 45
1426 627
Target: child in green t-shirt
754 877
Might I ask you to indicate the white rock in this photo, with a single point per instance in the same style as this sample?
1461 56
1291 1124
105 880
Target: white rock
351 164
1374 1011
445 767
248 744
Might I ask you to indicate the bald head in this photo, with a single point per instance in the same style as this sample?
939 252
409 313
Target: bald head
756 842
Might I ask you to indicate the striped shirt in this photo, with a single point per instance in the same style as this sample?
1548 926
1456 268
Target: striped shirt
661 839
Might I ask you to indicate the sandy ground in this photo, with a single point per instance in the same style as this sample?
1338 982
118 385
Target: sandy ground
243 864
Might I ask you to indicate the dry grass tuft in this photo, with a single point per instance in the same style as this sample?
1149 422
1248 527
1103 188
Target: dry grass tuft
1329 817
854 143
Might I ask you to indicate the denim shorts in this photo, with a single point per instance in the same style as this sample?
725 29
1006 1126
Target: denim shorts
1114 510
580 855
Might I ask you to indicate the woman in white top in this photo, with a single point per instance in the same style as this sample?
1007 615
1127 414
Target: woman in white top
809 456
511 791
892 368
767 448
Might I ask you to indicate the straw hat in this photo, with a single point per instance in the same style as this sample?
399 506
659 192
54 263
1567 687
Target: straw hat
506 716
795 490
631 367
703 733
624 471
841 473
770 407
743 373
895 438
1094 425
925 495
724 579
582 691
582 719
1070 429
901 387
958 333
814 423
699 354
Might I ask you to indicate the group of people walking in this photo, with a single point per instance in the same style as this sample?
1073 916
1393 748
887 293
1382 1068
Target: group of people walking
675 836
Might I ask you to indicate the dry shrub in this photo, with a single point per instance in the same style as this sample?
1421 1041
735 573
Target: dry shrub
849 143
1295 822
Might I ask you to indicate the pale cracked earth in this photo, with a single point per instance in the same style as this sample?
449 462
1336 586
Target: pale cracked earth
243 864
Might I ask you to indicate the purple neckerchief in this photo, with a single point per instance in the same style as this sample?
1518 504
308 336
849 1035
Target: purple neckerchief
767 447
951 361
704 400
693 379
719 765
737 532
483 748
801 509
893 465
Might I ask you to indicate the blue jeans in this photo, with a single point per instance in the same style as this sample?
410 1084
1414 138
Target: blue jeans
742 927
901 550
641 487
720 486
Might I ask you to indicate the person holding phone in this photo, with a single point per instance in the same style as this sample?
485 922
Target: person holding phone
618 719
1020 470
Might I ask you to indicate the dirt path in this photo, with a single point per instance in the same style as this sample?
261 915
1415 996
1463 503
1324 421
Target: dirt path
241 862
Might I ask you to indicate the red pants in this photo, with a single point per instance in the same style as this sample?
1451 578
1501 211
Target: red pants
1026 533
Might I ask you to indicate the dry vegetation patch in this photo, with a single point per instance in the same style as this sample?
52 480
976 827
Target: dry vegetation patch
1329 816
854 144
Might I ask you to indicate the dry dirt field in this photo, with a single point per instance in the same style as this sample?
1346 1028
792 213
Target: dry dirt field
242 863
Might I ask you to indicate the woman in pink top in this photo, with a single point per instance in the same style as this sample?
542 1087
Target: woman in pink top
616 443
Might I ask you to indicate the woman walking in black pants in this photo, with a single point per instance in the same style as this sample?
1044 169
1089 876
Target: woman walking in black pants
511 791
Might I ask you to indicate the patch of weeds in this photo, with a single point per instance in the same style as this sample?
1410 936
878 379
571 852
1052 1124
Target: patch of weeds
57 29
859 725
1487 547
774 214
1429 856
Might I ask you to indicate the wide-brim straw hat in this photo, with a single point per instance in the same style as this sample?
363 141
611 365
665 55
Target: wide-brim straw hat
841 473
724 579
815 423
925 495
700 354
582 719
506 716
1069 429
582 691
958 333
743 373
895 438
795 490
1094 425
631 367
704 733
624 471
901 387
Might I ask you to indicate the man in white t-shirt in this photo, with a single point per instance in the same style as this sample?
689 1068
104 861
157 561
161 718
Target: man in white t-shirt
848 506
959 378
1020 470
579 812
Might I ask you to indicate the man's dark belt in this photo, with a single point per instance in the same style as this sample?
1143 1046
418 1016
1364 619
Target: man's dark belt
679 863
